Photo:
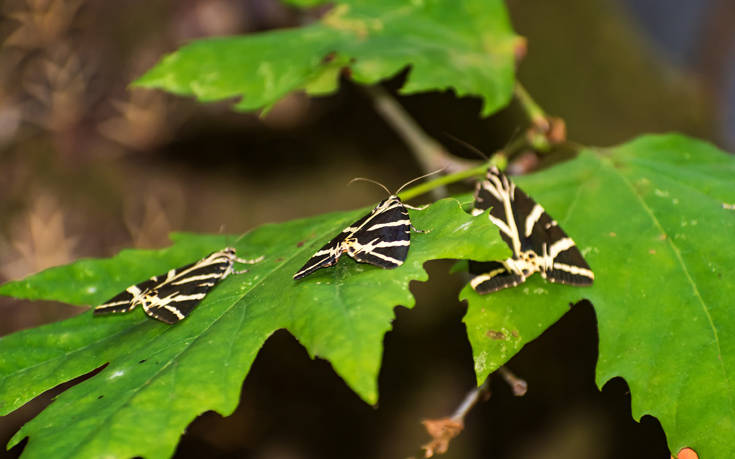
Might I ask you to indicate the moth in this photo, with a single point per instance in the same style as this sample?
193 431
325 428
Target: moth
537 241
381 238
171 297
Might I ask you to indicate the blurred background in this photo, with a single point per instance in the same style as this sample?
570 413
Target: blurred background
88 167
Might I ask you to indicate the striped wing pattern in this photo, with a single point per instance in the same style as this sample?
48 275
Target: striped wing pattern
537 241
171 297
381 238
128 299
493 276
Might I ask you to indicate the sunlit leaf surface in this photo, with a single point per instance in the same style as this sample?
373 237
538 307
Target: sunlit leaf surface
653 221
465 45
160 377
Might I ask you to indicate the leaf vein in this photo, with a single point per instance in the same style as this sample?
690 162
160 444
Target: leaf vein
693 285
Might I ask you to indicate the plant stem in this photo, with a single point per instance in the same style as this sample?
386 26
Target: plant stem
545 131
534 112
443 430
471 400
424 148
445 180
499 160
429 153
518 386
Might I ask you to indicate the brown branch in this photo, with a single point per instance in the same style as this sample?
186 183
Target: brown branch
443 430
429 153
518 386
545 130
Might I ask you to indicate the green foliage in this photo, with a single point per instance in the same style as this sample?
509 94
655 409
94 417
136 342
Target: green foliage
160 377
649 217
466 45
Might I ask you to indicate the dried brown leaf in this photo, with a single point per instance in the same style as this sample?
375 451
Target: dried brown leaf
142 120
442 431
39 239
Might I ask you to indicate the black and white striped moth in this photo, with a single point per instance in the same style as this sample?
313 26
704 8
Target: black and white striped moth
171 297
381 238
537 241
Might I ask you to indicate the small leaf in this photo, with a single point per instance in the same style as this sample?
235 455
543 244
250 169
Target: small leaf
160 377
648 217
466 45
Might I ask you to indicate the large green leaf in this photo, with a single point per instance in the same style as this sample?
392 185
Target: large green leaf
466 45
160 377
649 217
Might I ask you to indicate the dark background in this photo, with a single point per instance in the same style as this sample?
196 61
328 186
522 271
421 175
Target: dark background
88 168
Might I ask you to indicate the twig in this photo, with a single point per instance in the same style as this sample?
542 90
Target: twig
516 146
518 386
481 393
534 112
443 430
445 180
429 153
499 159
545 130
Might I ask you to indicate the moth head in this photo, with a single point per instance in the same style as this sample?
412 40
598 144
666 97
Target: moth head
531 262
350 245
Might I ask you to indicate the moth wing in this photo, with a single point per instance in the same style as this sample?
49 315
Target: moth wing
330 252
569 267
493 276
565 264
128 299
325 257
384 241
499 193
530 228
173 300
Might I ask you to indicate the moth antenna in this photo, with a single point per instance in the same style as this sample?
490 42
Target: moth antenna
468 146
418 178
515 133
512 137
228 242
363 179
240 237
